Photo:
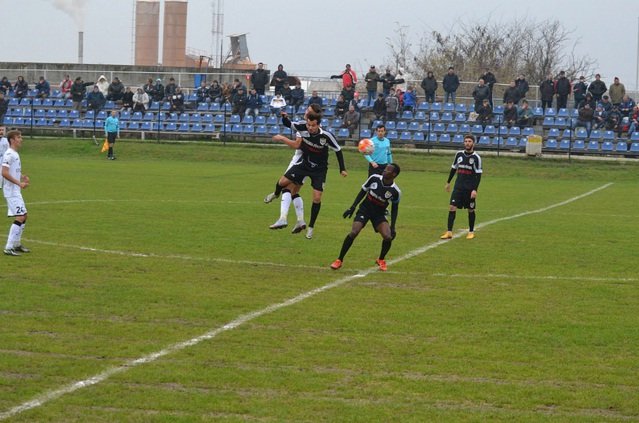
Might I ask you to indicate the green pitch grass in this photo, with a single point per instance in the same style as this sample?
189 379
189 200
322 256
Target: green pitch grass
534 320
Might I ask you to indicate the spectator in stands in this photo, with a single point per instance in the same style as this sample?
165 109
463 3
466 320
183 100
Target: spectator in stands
450 84
599 117
605 104
149 88
43 88
170 89
253 103
388 81
563 89
525 116
20 88
95 99
348 77
279 77
348 93
371 78
277 103
5 85
613 120
429 85
579 90
485 113
597 88
286 93
78 91
585 117
490 81
227 93
127 100
481 93
177 101
103 85
4 106
297 97
202 93
379 107
259 79
588 100
315 99
351 120
626 106
341 106
547 91
409 101
510 113
616 92
392 106
237 84
115 92
65 87
522 85
400 99
512 93
215 92
239 102
158 90
140 100
634 121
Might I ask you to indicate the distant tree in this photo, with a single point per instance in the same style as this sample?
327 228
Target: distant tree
521 46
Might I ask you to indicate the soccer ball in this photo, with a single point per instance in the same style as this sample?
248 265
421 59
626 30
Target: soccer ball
366 146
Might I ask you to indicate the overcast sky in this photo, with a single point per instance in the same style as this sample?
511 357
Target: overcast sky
313 38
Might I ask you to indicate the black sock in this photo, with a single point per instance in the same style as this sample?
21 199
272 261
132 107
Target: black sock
278 189
386 246
110 151
451 219
471 221
348 241
314 213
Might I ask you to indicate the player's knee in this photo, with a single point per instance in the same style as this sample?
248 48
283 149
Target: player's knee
387 237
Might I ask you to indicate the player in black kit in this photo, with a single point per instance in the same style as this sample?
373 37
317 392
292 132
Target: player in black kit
379 190
467 165
314 144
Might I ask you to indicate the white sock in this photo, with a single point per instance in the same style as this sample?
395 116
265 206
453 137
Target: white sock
14 235
299 208
18 241
285 204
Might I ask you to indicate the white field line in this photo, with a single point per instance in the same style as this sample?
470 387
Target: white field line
46 397
173 256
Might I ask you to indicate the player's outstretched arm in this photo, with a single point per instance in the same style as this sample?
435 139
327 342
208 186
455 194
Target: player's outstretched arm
394 213
293 144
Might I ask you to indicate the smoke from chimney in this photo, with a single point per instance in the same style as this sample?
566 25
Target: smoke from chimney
74 8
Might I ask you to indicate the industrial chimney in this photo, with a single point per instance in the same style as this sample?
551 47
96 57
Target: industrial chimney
80 47
174 38
147 27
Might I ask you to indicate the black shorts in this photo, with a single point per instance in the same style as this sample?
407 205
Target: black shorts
364 214
297 173
376 170
111 136
460 198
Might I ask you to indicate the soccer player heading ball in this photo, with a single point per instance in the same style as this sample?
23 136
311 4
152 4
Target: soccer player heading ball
467 165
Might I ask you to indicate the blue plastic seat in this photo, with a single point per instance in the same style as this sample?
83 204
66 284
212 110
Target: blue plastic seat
420 116
406 136
248 128
219 119
392 135
261 129
561 122
248 119
484 140
592 146
460 117
452 128
170 126
564 144
418 136
184 118
365 133
390 125
464 128
515 131
439 128
512 142
336 123
447 117
606 146
414 126
444 138
402 125
549 122
477 130
423 106
609 136
196 127
209 127
621 147
634 147
634 137
436 106
498 110
434 116
235 119
134 125
551 144
553 133
489 130
458 139
407 115
273 129
184 127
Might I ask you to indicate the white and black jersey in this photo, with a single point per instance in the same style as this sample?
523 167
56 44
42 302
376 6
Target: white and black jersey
315 148
378 195
468 169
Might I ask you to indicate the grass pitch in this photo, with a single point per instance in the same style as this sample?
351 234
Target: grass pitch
534 320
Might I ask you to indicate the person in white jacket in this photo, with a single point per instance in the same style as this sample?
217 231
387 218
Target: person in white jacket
103 85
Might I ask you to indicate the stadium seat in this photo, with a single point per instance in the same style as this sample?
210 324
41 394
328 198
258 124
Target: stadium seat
402 125
458 139
464 128
39 114
548 122
215 108
418 136
498 110
477 130
248 128
621 147
447 117
634 137
423 106
538 112
14 102
437 107
235 119
444 138
47 102
484 140
407 115
248 119
634 147
202 107
452 128
170 126
490 130
261 130
329 111
51 114
219 119
365 133
420 116
553 133
184 127
273 129
592 146
515 131
136 116
196 127
448 107
434 116
439 128
74 114
561 122
609 136
498 142
184 118
564 144
65 123
236 128
133 125
210 128
550 112
414 126
148 117
606 146
596 134
392 135
523 141
390 125
336 123
406 136
8 121
460 117
512 142
551 144
563 113
146 126
581 133
432 137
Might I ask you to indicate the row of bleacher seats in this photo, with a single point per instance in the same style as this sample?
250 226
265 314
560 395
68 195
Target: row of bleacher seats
592 146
